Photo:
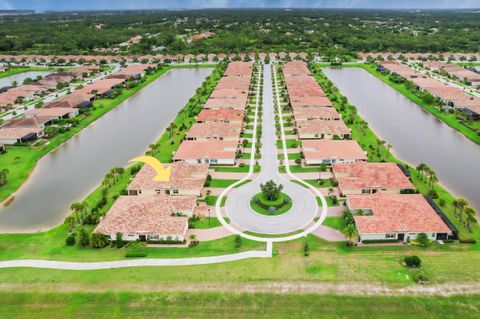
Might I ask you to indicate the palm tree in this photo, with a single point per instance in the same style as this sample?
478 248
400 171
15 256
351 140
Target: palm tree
462 203
455 206
193 238
351 233
78 209
331 192
433 179
470 218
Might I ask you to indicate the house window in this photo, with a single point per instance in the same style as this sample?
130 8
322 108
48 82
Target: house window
389 235
365 191
175 191
154 237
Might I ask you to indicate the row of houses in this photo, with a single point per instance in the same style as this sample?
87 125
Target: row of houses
320 127
159 211
155 210
14 95
215 137
417 56
151 58
451 96
454 70
31 125
374 192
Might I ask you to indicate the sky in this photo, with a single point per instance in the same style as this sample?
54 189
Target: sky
65 5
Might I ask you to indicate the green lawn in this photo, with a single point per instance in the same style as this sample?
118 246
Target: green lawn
291 143
205 222
300 169
315 182
51 245
111 305
448 118
234 169
18 70
335 222
222 183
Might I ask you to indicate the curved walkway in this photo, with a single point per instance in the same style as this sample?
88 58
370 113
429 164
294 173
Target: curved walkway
237 206
67 265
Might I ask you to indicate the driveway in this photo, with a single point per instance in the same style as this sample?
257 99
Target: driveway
237 206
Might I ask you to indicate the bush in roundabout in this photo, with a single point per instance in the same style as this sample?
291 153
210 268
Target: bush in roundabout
271 201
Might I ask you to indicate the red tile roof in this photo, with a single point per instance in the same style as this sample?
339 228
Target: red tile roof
182 176
213 149
147 215
220 115
362 175
396 213
315 150
215 130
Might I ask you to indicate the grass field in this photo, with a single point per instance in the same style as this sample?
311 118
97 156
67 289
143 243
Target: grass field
18 70
230 305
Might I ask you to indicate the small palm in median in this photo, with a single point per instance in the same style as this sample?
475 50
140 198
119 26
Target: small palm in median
270 190
350 231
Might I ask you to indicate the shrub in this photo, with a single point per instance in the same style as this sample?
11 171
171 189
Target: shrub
70 241
238 241
118 240
98 240
136 249
306 249
420 278
412 261
422 239
82 238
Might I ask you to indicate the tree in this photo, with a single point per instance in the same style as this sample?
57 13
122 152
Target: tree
350 231
469 218
462 203
238 241
270 190
119 240
78 209
422 239
3 176
306 248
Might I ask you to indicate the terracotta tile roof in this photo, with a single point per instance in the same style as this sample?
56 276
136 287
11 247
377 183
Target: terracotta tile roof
38 121
229 93
131 71
100 86
215 130
330 149
370 175
16 133
146 215
51 112
227 103
213 149
316 126
220 115
316 101
70 100
396 213
182 176
83 69
312 112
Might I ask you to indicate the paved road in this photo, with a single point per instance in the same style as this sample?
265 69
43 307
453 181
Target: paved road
237 206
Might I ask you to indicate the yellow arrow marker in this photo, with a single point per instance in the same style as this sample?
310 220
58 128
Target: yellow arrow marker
163 174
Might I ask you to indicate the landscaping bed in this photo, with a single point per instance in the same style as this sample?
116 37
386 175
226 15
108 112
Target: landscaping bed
276 207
